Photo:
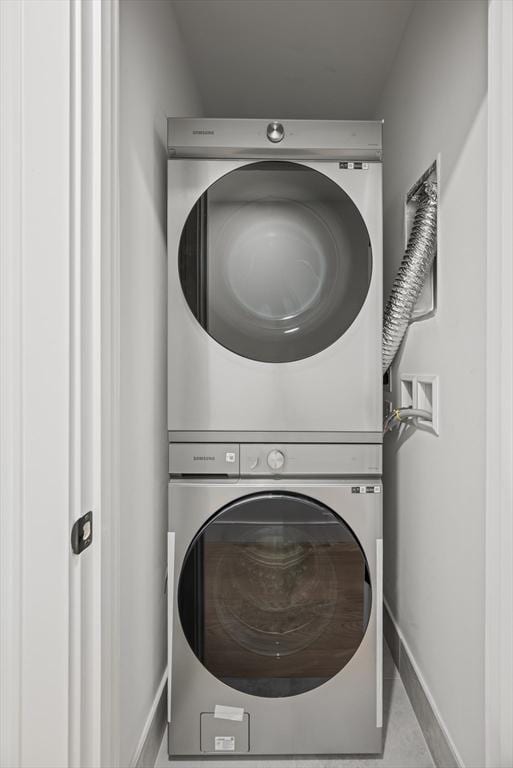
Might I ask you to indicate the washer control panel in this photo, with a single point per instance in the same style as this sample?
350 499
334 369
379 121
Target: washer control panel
271 460
306 460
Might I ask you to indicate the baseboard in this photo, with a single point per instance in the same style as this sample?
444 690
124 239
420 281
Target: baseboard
443 750
441 746
151 736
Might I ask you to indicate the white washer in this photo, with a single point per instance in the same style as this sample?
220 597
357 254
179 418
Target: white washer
275 280
275 594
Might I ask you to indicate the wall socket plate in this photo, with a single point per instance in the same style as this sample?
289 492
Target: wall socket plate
421 391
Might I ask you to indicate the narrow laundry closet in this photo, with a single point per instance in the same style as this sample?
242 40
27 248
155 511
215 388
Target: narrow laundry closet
214 396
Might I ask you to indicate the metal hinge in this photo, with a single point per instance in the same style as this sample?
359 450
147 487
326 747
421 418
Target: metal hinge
82 533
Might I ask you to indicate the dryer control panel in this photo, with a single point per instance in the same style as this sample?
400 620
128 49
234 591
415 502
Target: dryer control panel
208 459
274 460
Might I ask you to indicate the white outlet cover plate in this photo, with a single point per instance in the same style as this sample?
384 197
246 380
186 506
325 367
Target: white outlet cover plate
416 380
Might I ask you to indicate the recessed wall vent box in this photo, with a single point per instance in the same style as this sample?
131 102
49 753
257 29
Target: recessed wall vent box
421 391
427 301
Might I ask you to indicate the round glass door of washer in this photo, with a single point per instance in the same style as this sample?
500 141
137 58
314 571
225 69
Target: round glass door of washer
275 261
274 596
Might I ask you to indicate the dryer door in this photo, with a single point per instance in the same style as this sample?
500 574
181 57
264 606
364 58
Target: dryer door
275 261
274 596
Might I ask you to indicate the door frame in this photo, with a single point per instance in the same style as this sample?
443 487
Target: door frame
499 392
10 388
109 339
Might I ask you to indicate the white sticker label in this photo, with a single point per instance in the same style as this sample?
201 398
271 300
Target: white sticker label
363 489
377 489
228 713
230 458
224 743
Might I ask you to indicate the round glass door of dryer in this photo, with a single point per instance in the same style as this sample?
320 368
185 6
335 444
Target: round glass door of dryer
275 261
274 595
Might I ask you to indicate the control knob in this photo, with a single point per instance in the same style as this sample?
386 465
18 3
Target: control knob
275 132
275 459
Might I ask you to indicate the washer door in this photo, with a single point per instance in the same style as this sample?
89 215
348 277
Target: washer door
274 595
275 261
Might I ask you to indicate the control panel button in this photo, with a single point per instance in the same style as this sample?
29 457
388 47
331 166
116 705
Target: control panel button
275 459
275 132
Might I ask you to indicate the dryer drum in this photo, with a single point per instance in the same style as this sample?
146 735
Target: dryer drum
275 261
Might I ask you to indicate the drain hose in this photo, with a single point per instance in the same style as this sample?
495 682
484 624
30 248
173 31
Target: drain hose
406 415
412 273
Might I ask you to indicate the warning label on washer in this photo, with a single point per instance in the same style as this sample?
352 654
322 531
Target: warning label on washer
366 489
224 743
228 713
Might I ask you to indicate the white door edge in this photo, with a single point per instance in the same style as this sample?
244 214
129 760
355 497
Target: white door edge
109 332
10 385
499 394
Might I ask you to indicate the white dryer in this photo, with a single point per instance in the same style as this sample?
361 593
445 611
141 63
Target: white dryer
275 280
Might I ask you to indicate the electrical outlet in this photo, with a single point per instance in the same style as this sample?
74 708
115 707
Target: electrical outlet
421 391
407 387
427 399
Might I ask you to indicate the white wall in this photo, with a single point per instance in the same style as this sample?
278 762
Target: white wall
435 101
155 82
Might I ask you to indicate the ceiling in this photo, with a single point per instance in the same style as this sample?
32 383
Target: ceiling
291 58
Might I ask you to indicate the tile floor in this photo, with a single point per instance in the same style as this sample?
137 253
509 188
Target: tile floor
405 746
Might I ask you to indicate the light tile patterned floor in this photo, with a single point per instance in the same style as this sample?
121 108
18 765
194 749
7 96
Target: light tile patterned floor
405 746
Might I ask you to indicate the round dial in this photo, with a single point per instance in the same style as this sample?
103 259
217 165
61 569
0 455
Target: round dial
275 459
275 132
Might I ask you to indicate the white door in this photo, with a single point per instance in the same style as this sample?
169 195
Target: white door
51 185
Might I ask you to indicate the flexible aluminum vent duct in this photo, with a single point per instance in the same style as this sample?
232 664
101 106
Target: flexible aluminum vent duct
412 273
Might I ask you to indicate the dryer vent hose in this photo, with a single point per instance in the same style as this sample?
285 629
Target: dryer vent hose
414 269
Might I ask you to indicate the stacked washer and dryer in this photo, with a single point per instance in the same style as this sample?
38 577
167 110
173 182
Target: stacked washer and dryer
275 433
